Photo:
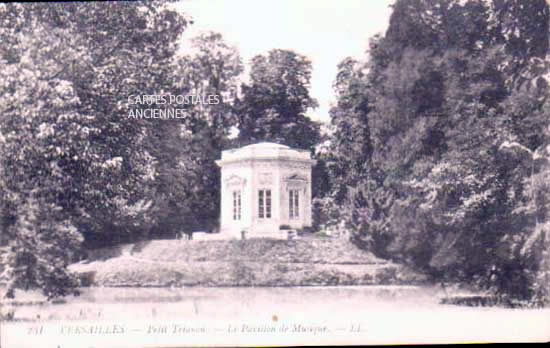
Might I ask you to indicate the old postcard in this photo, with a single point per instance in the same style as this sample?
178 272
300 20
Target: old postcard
284 173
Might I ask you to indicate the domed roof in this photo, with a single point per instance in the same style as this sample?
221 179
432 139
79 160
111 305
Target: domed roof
265 145
265 151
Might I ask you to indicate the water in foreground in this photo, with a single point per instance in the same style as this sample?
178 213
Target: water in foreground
139 317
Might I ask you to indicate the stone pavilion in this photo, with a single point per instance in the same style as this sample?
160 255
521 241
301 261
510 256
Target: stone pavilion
264 186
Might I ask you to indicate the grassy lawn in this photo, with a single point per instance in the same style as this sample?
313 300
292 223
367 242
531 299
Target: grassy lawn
252 262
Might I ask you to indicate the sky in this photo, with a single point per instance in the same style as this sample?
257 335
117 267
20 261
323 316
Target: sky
324 31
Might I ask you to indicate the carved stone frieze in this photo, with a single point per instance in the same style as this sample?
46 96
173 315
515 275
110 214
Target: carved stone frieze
235 182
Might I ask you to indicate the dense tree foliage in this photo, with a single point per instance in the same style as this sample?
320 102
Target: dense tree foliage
422 152
73 167
274 103
186 190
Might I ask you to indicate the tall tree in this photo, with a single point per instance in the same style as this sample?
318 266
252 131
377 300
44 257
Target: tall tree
436 191
274 103
69 154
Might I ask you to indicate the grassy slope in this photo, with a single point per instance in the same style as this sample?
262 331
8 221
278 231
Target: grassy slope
254 262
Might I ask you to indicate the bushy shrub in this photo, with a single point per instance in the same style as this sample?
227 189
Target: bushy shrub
39 252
